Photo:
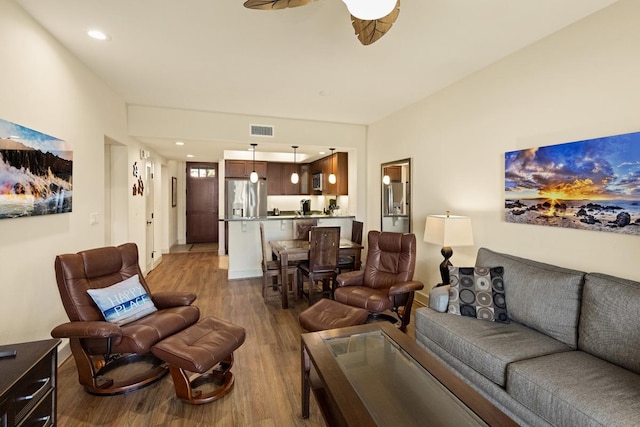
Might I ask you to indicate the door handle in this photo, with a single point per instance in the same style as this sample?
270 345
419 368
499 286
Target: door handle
148 222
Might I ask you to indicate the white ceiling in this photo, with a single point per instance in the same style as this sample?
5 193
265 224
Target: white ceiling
302 63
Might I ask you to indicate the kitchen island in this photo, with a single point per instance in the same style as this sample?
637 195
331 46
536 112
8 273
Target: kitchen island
245 254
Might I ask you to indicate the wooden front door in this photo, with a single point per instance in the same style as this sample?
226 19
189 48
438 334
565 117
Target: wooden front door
202 202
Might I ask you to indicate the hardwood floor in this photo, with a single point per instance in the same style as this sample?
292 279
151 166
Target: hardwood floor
266 367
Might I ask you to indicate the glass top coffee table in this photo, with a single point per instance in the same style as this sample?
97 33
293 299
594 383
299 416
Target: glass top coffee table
374 375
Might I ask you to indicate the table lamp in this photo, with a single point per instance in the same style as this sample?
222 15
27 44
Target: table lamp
446 231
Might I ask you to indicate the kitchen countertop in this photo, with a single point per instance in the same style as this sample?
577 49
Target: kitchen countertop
291 217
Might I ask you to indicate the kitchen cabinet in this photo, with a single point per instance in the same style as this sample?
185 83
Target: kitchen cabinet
289 188
279 179
28 384
394 173
243 168
274 179
340 167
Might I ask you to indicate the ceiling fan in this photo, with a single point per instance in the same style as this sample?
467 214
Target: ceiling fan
369 25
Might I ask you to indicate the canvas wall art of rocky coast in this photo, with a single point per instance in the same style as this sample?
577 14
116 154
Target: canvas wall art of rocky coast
618 216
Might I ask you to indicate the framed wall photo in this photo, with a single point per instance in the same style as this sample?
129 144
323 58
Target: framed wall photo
588 185
36 172
174 191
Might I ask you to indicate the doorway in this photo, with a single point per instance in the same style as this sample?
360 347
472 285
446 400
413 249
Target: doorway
148 193
202 202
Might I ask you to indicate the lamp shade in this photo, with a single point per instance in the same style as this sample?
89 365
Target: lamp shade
448 230
370 10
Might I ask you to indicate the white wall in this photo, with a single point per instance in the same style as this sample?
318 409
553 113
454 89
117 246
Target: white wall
579 83
45 88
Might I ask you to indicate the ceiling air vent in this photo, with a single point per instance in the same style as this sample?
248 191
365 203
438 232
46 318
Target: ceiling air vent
261 130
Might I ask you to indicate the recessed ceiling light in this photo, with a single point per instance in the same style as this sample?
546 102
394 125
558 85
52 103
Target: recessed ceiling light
320 152
179 143
97 34
190 155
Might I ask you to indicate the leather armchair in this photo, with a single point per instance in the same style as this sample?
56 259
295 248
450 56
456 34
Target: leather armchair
101 349
386 283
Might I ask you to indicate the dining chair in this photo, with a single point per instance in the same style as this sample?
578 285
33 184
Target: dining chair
302 228
271 270
323 261
348 262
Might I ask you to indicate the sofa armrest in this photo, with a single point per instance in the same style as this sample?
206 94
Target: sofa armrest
405 287
172 299
352 278
97 329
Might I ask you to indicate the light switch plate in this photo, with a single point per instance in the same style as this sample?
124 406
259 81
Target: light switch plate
93 218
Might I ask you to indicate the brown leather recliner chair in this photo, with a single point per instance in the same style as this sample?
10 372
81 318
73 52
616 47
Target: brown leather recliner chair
102 348
386 283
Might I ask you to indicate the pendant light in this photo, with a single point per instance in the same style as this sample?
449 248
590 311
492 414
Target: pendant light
332 176
370 10
294 176
254 175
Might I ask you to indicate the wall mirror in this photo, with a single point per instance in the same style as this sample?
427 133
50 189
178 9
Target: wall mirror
396 196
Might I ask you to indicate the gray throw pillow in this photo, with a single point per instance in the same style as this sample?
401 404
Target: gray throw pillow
439 298
478 292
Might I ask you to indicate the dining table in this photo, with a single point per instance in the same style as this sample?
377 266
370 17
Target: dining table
287 251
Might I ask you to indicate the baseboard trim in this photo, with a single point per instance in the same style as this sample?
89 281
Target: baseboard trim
421 299
64 351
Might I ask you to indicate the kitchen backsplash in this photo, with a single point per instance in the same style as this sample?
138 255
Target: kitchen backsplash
318 203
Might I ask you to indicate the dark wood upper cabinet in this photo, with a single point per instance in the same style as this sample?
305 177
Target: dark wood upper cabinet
243 168
339 165
274 178
279 175
394 173
279 179
289 188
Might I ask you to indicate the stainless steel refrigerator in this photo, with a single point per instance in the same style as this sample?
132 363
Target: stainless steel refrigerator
246 199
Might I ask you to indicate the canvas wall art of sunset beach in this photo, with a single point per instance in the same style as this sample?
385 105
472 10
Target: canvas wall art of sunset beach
592 184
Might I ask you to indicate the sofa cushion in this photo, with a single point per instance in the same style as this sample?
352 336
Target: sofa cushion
610 320
576 389
478 292
487 347
542 296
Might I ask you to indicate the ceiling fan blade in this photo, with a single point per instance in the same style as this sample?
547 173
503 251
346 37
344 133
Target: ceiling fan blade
369 32
274 4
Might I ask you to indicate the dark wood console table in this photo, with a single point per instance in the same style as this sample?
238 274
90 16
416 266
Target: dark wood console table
28 384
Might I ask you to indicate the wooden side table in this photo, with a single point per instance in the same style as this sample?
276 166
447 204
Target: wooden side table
28 384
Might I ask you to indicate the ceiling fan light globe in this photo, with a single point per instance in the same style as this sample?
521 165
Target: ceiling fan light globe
370 10
294 178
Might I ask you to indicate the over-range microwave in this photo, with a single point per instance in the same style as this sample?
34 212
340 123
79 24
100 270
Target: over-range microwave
316 182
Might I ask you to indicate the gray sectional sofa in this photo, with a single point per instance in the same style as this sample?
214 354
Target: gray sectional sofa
569 355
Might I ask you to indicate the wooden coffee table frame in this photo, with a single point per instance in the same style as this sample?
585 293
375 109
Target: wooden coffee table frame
339 402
